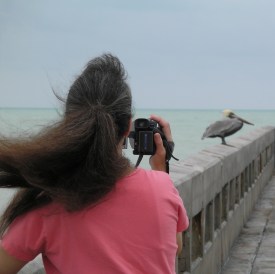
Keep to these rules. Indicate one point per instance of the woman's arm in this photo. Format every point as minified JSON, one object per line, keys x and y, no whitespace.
{"x":179,"y":242}
{"x":157,"y":161}
{"x":9,"y":264}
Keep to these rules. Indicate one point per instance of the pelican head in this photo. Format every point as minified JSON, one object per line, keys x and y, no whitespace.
{"x":230,"y":114}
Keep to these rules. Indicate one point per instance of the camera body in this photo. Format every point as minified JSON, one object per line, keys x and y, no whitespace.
{"x":142,"y":136}
{"x":141,"y":139}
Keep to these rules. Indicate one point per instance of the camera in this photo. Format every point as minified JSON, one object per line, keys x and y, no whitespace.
{"x":142,"y":136}
{"x":141,"y":139}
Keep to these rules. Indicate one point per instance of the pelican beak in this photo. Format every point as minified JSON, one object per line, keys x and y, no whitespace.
{"x":233,"y":115}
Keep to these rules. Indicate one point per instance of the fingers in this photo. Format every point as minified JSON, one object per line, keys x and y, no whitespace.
{"x":157,"y":161}
{"x":160,"y":150}
{"x":165,"y":126}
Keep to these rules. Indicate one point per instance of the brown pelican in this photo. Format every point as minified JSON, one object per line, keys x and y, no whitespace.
{"x":226,"y":127}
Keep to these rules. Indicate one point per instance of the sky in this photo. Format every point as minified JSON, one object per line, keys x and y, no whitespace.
{"x":179,"y":54}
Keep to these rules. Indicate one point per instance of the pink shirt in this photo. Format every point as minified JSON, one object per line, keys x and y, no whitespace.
{"x":133,"y":230}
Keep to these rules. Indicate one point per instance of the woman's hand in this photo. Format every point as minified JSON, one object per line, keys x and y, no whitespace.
{"x":157,"y":161}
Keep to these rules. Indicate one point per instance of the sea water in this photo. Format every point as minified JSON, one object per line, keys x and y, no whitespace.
{"x":187,"y":128}
{"x":187,"y":125}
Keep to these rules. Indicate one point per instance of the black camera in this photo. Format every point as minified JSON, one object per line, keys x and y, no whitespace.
{"x":142,"y":136}
{"x":141,"y":139}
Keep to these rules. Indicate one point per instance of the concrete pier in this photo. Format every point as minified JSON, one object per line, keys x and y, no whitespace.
{"x":254,"y":250}
{"x":220,"y":187}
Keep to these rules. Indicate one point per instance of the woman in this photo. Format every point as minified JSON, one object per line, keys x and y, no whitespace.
{"x":81,"y":203}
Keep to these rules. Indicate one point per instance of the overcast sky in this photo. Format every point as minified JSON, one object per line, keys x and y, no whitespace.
{"x":185,"y":54}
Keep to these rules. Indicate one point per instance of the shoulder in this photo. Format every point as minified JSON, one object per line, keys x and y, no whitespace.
{"x":149,"y":175}
{"x":33,"y":221}
{"x":152,"y":179}
{"x":26,"y":235}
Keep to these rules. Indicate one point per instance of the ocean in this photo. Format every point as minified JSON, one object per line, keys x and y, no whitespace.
{"x":187,"y":128}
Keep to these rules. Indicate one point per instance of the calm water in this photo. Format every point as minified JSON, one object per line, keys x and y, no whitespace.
{"x":187,"y":127}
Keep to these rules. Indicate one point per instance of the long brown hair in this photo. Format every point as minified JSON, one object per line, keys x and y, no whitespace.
{"x":75,"y":161}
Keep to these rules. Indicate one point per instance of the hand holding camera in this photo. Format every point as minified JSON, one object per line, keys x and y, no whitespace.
{"x":164,"y":146}
{"x":153,"y":137}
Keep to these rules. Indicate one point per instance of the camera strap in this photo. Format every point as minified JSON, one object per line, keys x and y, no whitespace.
{"x":140,"y":156}
{"x":167,"y":166}
{"x":169,"y":146}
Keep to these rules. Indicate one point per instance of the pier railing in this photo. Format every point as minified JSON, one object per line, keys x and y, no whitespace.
{"x":219,"y":187}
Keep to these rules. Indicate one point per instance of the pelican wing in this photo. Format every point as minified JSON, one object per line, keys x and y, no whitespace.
{"x":222,"y":128}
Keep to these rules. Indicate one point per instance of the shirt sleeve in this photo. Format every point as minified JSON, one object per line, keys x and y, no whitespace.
{"x":24,"y":238}
{"x":183,"y":221}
